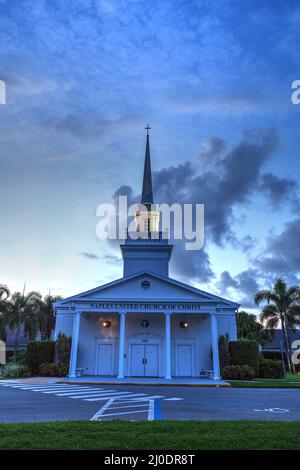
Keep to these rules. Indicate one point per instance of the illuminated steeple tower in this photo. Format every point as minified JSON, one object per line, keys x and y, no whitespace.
{"x":147,"y":217}
{"x":147,"y":250}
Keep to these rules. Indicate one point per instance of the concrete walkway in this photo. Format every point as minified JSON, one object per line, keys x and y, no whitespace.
{"x":96,"y":380}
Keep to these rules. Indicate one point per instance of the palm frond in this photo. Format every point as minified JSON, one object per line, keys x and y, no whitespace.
{"x":262,"y":295}
{"x":280,"y":287}
{"x":272,"y":323}
{"x":4,"y":292}
{"x":269,"y":311}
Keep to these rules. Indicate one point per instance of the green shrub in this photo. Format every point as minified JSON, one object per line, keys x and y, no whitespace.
{"x":63,"y":370}
{"x":244,"y":352}
{"x":21,"y":357}
{"x":237,"y":372}
{"x":53,"y":370}
{"x":13,"y":369}
{"x":63,"y":349}
{"x":44,"y":369}
{"x":275,"y":355}
{"x":269,"y":369}
{"x":39,"y":352}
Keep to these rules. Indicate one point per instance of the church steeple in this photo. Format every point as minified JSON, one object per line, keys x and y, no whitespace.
{"x":145,"y":249}
{"x":147,"y":217}
{"x":147,"y":192}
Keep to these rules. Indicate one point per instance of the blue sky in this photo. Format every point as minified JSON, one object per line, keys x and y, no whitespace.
{"x":213,"y":78}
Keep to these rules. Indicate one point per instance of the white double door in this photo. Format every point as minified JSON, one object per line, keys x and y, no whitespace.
{"x":145,"y":360}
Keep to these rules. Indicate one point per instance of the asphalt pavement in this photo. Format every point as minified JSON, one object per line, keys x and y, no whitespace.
{"x":32,"y":402}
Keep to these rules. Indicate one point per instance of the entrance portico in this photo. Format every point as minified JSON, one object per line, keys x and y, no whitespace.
{"x":145,"y":340}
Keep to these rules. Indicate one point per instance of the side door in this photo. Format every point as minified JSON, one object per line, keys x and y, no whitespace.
{"x":184,"y":357}
{"x":105,"y":353}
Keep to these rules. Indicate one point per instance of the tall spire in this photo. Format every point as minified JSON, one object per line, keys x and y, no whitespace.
{"x":147,"y":193}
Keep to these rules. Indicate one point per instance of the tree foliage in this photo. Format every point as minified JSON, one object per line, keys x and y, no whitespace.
{"x":28,"y":313}
{"x":249,"y":328}
{"x":283,"y":310}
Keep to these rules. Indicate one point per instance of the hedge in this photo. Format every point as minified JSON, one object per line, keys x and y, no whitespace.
{"x":244,"y":352}
{"x":244,"y":372}
{"x":269,"y":369}
{"x":39,"y":352}
{"x":275,"y":355}
{"x":53,"y":370}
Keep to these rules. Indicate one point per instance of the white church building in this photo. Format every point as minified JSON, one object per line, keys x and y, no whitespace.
{"x":146,"y":324}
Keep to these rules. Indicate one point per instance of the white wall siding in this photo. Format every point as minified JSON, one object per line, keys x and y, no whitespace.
{"x":227,"y":324}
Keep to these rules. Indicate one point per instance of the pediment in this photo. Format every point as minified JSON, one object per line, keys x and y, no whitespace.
{"x":147,"y":286}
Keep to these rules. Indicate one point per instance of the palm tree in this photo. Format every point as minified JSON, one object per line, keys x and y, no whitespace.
{"x":46,"y":315}
{"x":249,"y":328}
{"x":283,"y":309}
{"x":4,"y":295}
{"x":22,"y":311}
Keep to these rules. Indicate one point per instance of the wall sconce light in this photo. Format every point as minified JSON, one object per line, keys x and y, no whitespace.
{"x":144,"y":323}
{"x":106,"y":323}
{"x":184,"y":325}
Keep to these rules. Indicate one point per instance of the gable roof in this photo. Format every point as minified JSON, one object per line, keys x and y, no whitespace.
{"x":204,"y":296}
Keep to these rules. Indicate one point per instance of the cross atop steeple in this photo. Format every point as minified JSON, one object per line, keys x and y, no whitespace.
{"x":147,"y":128}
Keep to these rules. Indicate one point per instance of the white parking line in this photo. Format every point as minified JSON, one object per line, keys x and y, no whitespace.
{"x":99,"y":394}
{"x":44,"y":387}
{"x":49,"y":390}
{"x":153,"y":397}
{"x":70,"y":391}
{"x":109,"y":396}
{"x":78,"y":392}
{"x":172,"y":399}
{"x":111,"y":407}
{"x":124,"y":413}
{"x":104,"y":407}
{"x":151,"y":410}
{"x":127,"y":406}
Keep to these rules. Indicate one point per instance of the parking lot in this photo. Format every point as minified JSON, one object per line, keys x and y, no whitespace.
{"x":22,"y":401}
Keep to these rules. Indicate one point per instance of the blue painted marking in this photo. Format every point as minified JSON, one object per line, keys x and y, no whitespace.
{"x":157,"y":410}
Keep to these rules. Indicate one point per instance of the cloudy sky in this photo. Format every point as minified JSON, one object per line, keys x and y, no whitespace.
{"x":213,"y":78}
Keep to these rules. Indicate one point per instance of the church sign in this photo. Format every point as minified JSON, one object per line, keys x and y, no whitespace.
{"x":145,"y":306}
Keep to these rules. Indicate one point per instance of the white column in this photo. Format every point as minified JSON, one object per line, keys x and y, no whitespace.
{"x":74,"y":347}
{"x":122,"y":344}
{"x":215,"y":346}
{"x":168,"y":344}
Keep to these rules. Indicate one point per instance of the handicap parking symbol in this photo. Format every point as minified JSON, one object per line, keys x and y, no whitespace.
{"x":273,"y":410}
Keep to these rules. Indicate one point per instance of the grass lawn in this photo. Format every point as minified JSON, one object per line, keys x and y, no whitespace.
{"x":126,"y":435}
{"x":289,"y":381}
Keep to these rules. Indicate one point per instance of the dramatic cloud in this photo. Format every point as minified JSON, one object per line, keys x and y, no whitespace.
{"x":281,"y":256}
{"x":279,"y":190}
{"x":230,"y":184}
{"x":213,"y":148}
{"x":245,"y":282}
{"x":227,"y":185}
{"x":226,"y":281}
{"x":245,"y":285}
